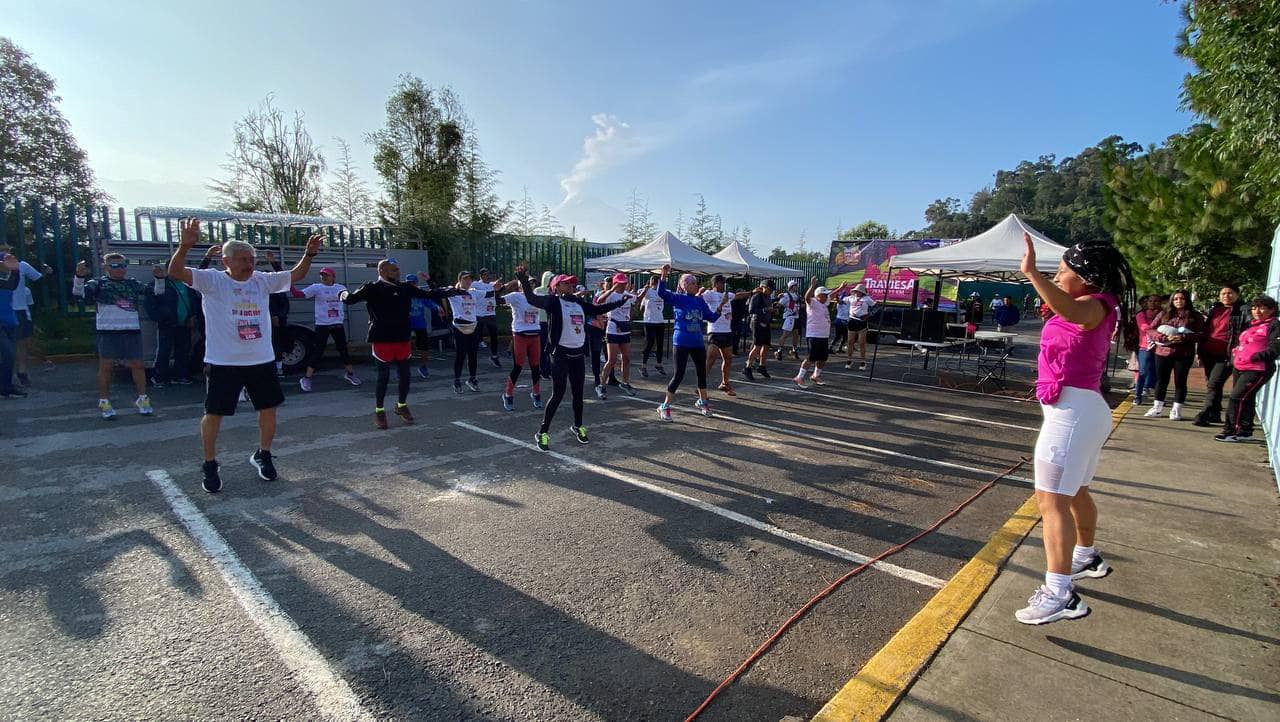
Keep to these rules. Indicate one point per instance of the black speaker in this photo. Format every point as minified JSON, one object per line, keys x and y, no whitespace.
{"x":933,"y":327}
{"x":912,"y":319}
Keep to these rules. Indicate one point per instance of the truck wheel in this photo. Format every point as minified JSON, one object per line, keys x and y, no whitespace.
{"x":301,"y":339}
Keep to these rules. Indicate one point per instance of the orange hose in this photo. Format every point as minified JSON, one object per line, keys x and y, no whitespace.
{"x":768,"y":643}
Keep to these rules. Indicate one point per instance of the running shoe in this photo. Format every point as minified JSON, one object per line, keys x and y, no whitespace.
{"x":1095,"y":568}
{"x":261,"y":460}
{"x":627,"y":389}
{"x":579,"y":433}
{"x":644,"y":371}
{"x":703,"y":407}
{"x":380,"y":419}
{"x":24,"y":379}
{"x":352,"y":379}
{"x":1043,"y":607}
{"x":402,"y":410}
{"x":471,"y":384}
{"x":143,"y":404}
{"x":600,"y":392}
{"x":660,"y":370}
{"x":763,"y":372}
{"x":795,"y":353}
{"x":1230,"y":438}
{"x":305,"y":383}
{"x":778,"y":354}
{"x":457,"y":387}
{"x":537,"y":400}
{"x":423,"y":372}
{"x":848,"y":365}
{"x":1153,"y":412}
{"x":496,"y":364}
{"x":862,"y":366}
{"x":105,"y":407}
{"x":664,"y":412}
{"x":613,"y":381}
{"x":748,"y":373}
{"x":543,"y":440}
{"x":1175,"y":413}
{"x":212,"y":481}
{"x":728,"y":390}
{"x":508,"y":402}
{"x":817,"y":380}
{"x":800,"y":381}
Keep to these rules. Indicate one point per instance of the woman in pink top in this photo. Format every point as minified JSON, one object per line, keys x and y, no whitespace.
{"x":1093,"y":287}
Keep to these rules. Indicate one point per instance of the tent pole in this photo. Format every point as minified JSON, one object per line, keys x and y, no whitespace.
{"x":875,"y":349}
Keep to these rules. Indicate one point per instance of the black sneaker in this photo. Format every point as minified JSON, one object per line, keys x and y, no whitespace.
{"x":457,"y":387}
{"x":261,"y":460}
{"x":1231,"y":438}
{"x":212,"y":482}
{"x":747,"y":372}
{"x":764,"y":372}
{"x":496,"y":363}
{"x":644,"y":371}
{"x":471,"y":384}
{"x":579,"y":433}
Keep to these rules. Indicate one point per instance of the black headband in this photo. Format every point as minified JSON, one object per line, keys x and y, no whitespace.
{"x":1094,"y":263}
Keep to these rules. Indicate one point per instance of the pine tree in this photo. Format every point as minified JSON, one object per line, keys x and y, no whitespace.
{"x":745,"y":238}
{"x":524,"y":216}
{"x":347,"y":195}
{"x":679,"y":223}
{"x":548,"y":224}
{"x":633,"y":230}
{"x":479,"y":212}
{"x":705,"y":230}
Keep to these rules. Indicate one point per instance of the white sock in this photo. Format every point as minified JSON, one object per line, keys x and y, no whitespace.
{"x":803,"y":371}
{"x":1082,"y":555}
{"x":1058,"y":584}
{"x":817,"y":373}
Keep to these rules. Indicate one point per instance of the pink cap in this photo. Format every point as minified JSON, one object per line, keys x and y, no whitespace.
{"x":620,"y":278}
{"x":564,"y":278}
{"x":327,"y":270}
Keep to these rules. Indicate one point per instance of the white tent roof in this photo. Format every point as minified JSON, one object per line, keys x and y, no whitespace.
{"x":994,"y":253}
{"x":666,"y":248}
{"x":755,"y":266}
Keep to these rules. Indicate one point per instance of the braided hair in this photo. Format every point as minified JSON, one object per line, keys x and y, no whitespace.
{"x":1101,"y":265}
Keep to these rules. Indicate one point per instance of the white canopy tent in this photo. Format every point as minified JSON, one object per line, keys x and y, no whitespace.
{"x":754,"y":265}
{"x":995,"y":254}
{"x":665,"y":249}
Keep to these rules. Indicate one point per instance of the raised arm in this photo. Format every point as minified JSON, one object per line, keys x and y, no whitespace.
{"x":542,"y":302}
{"x":434,"y":294}
{"x":356,"y":296}
{"x":593,"y":309}
{"x":813,"y":286}
{"x":1086,"y":311}
{"x":190,"y":235}
{"x":299,"y":271}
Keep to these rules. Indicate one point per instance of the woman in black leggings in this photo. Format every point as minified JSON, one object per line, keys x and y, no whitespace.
{"x":655,"y":326}
{"x":1175,"y":352}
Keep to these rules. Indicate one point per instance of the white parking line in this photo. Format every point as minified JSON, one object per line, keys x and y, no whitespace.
{"x":897,"y":571}
{"x":848,"y":444}
{"x":332,"y":695}
{"x":931,"y":387}
{"x":908,"y":409}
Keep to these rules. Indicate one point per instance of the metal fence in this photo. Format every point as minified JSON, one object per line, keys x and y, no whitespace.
{"x":502,"y":253}
{"x":1269,"y":396}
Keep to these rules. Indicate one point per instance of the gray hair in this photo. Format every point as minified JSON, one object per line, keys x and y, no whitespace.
{"x":231,"y":248}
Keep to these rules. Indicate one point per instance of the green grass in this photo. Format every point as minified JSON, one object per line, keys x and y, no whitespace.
{"x":58,"y":334}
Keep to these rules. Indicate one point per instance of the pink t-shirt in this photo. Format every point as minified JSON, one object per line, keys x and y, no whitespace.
{"x":1071,"y":356}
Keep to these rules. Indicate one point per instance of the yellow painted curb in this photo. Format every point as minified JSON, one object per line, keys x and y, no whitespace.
{"x":886,"y":676}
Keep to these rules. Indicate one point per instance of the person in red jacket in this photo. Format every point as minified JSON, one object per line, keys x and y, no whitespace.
{"x":1254,"y":361}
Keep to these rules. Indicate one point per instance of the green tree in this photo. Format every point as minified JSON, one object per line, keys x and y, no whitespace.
{"x":1235,"y":47}
{"x":479,"y":213}
{"x":39,"y":156}
{"x":705,"y":229}
{"x":347,"y":195}
{"x":639,"y":227}
{"x":523,"y":220}
{"x":866,"y":229}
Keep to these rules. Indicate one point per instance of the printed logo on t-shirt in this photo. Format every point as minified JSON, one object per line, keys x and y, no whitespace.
{"x":530,"y":317}
{"x":575,"y":320}
{"x":248,"y":319}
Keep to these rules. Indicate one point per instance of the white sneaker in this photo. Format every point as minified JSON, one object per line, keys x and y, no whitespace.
{"x":1095,"y":568}
{"x":1043,"y":607}
{"x":105,"y":407}
{"x":1157,"y":409}
{"x":144,"y":405}
{"x":1175,"y":413}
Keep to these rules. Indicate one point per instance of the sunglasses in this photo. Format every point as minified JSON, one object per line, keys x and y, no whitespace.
{"x":118,"y":265}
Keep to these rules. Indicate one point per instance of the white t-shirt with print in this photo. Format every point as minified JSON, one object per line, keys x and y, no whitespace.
{"x":574,"y":332}
{"x":237,"y":324}
{"x":524,"y":317}
{"x":651,"y":304}
{"x":790,"y":305}
{"x":487,"y":306}
{"x":860,"y":306}
{"x":621,"y":313}
{"x":330,"y":310}
{"x":464,"y":306}
{"x":817,"y":322}
{"x":724,"y":324}
{"x":842,"y":308}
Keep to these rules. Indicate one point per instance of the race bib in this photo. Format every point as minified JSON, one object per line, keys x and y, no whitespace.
{"x":333,"y":312}
{"x":248,"y":330}
{"x":248,"y":319}
{"x":124,"y":304}
{"x":575,"y":320}
{"x":530,"y":317}
{"x":788,"y":323}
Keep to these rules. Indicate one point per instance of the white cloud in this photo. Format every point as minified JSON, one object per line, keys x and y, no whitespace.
{"x":612,"y":142}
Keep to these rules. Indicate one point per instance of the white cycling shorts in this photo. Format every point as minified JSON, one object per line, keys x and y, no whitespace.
{"x":1071,"y":438}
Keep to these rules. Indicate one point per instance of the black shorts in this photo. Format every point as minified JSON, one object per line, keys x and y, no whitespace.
{"x":722,"y":340}
{"x":857,"y":325}
{"x":421,"y":339}
{"x":223,"y":384}
{"x":819,"y":349}
{"x":761,"y":331}
{"x":618,"y":338}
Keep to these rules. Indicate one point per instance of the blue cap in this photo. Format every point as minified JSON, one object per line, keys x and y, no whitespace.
{"x":411,"y":278}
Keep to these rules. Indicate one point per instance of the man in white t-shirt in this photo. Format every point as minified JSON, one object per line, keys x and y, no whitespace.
{"x":790,"y":301}
{"x":487,"y":314}
{"x":237,"y":327}
{"x":331,"y":317}
{"x":720,"y":332}
{"x":655,"y":326}
{"x":817,"y":330}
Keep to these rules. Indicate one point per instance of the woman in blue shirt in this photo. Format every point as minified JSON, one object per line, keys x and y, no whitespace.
{"x":690,"y":311}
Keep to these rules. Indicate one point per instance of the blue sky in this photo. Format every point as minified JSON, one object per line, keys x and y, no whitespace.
{"x":787,"y":117}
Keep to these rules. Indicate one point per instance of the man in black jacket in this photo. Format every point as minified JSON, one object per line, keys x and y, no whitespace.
{"x":174,"y":314}
{"x":567,"y":316}
{"x":389,"y":301}
{"x":1223,"y":324}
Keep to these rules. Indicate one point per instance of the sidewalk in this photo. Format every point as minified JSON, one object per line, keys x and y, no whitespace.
{"x":1187,"y":627}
